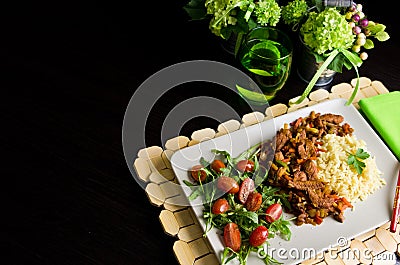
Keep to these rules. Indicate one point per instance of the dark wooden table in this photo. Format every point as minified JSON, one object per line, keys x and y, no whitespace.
{"x":69,"y":71}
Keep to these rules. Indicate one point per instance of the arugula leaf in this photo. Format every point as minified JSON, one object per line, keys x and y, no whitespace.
{"x":226,"y":171}
{"x":252,"y":216}
{"x":196,"y":190}
{"x":281,"y":227}
{"x":237,"y":213}
{"x":354,"y":160}
{"x":225,"y":255}
{"x":204,"y":162}
{"x":248,"y":153}
{"x":226,"y":155}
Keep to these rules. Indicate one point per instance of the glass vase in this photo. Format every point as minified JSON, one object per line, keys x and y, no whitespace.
{"x":307,"y":66}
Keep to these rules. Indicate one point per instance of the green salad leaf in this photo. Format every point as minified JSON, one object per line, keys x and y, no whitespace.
{"x":238,"y":212}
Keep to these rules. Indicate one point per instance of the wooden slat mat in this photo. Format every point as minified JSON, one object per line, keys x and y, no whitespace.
{"x":152,"y":166}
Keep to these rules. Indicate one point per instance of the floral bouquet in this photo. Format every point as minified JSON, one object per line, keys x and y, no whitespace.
{"x":339,"y":37}
{"x":235,"y":17}
{"x":336,"y":36}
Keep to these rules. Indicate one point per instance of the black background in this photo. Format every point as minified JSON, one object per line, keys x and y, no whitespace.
{"x":68,"y":72}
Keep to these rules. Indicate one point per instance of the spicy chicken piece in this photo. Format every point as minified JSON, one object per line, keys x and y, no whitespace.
{"x":299,"y":176}
{"x":279,"y":156}
{"x":306,"y":185}
{"x":311,"y":169}
{"x":282,"y":137}
{"x":332,"y":118}
{"x":307,"y":149}
{"x":319,"y":199}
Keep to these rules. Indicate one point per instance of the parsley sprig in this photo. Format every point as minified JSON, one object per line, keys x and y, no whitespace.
{"x":355,"y":160}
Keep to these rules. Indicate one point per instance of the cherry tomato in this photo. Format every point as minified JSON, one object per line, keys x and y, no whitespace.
{"x":274,"y":211}
{"x":198,"y":174}
{"x":245,"y":166}
{"x":253,"y":202}
{"x":232,"y":237}
{"x":246,"y":187}
{"x":220,"y":206}
{"x":258,"y":236}
{"x":216,"y":165}
{"x":227,"y":184}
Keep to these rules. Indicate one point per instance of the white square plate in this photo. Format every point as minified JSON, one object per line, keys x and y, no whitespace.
{"x":306,"y":239}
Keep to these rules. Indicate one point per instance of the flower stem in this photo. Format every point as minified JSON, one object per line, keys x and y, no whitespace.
{"x":316,"y":76}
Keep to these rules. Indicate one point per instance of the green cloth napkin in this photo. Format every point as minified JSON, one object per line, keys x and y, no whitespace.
{"x":383,"y":112}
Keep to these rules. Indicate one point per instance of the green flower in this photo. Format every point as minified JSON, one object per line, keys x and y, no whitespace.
{"x":294,"y":12}
{"x":267,"y":12}
{"x":223,"y":13}
{"x":326,"y":31}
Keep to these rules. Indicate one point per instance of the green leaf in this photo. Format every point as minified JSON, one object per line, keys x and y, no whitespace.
{"x":319,"y":58}
{"x":352,"y":57}
{"x":241,"y":23}
{"x":196,"y":9}
{"x":225,"y":171}
{"x":382,"y":36}
{"x":354,"y":160}
{"x":196,"y":3}
{"x":252,"y":23}
{"x":252,"y":216}
{"x":196,"y":190}
{"x":281,"y":226}
{"x":226,"y":13}
{"x":188,"y":183}
{"x":225,"y":154}
{"x":260,"y":72}
{"x":252,"y":95}
{"x":369,"y":44}
{"x":377,"y":28}
{"x":204,"y":162}
{"x":337,"y":63}
{"x":195,"y":13}
{"x":238,"y":43}
{"x":241,"y":26}
{"x":319,"y":5}
{"x":248,"y":153}
{"x":195,"y":193}
{"x":361,"y":154}
{"x":351,"y":160}
{"x":225,"y":258}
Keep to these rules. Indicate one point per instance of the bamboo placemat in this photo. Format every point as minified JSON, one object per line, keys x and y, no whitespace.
{"x":152,"y":166}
